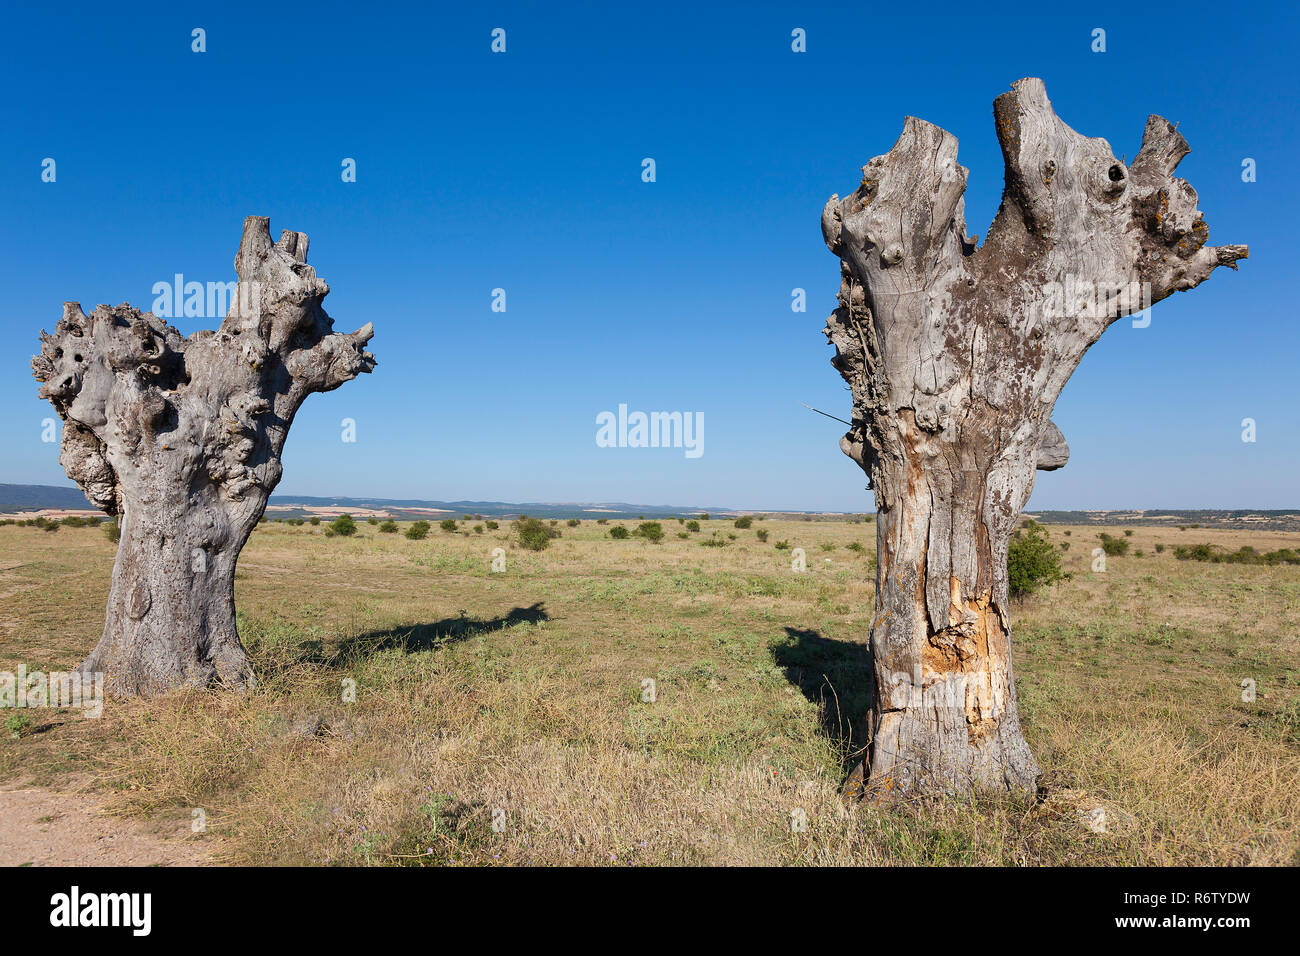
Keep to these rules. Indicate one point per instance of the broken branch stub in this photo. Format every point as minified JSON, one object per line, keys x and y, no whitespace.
{"x":181,"y":438}
{"x":955,"y":354}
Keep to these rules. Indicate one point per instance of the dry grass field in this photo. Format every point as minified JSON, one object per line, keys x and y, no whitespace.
{"x":499,"y":719}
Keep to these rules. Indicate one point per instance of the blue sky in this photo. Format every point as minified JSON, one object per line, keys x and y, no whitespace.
{"x":522,"y":171}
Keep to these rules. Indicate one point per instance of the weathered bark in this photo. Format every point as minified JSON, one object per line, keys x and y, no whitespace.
{"x":182,"y":438}
{"x":955,"y":354}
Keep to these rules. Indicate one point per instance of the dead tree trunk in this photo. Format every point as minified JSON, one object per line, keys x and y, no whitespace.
{"x":955,"y":354}
{"x":182,"y":438}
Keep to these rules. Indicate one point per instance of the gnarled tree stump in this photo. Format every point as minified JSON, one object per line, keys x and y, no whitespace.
{"x":955,"y":354}
{"x":181,"y":437}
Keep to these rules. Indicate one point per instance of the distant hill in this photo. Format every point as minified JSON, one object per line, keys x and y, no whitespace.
{"x":1241,"y":518}
{"x":36,"y":497}
{"x":413,"y":507}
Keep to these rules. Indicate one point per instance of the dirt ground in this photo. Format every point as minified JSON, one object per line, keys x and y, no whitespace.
{"x":40,"y":827}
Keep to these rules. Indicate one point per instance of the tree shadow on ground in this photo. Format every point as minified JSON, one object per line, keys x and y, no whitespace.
{"x":418,"y":638}
{"x":837,"y":677}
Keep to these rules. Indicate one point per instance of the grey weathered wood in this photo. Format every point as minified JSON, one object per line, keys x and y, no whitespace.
{"x":181,"y":437}
{"x":955,"y":354}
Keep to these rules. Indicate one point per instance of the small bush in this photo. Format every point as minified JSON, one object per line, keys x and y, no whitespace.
{"x":602,"y":521}
{"x":1113,"y":546}
{"x":343,"y":525}
{"x":683,"y":534}
{"x":782,"y":546}
{"x":761,"y":534}
{"x":1160,"y":549}
{"x":652,"y":531}
{"x":573,"y":522}
{"x":744,"y":522}
{"x":478,"y":529}
{"x":618,"y":531}
{"x":1128,"y":532}
{"x":418,"y":530}
{"x":17,"y":722}
{"x":372,"y":521}
{"x":447,"y":524}
{"x":856,"y":547}
{"x":113,"y":531}
{"x":491,"y":525}
{"x":1032,"y":562}
{"x":692,"y":526}
{"x":315,"y":520}
{"x":388,"y":527}
{"x":535,"y":535}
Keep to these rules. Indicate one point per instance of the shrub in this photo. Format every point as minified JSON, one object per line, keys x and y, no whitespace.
{"x":17,"y":722}
{"x":447,"y":524}
{"x":372,"y":521}
{"x":827,"y":546}
{"x":535,"y":535}
{"x":1032,"y":562}
{"x":418,"y":530}
{"x":113,"y":531}
{"x":573,"y":522}
{"x":683,"y":534}
{"x":491,"y":525}
{"x":762,"y":535}
{"x":1243,"y":555}
{"x":466,"y":518}
{"x":388,"y":527}
{"x":1113,"y":546}
{"x":782,"y":546}
{"x":744,"y":522}
{"x":692,"y":526}
{"x":1128,"y":532}
{"x":602,"y":521}
{"x":1160,"y":549}
{"x":713,"y":543}
{"x":478,"y":529}
{"x":618,"y":531}
{"x":705,"y":516}
{"x":652,"y":531}
{"x":343,"y":525}
{"x":315,"y":521}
